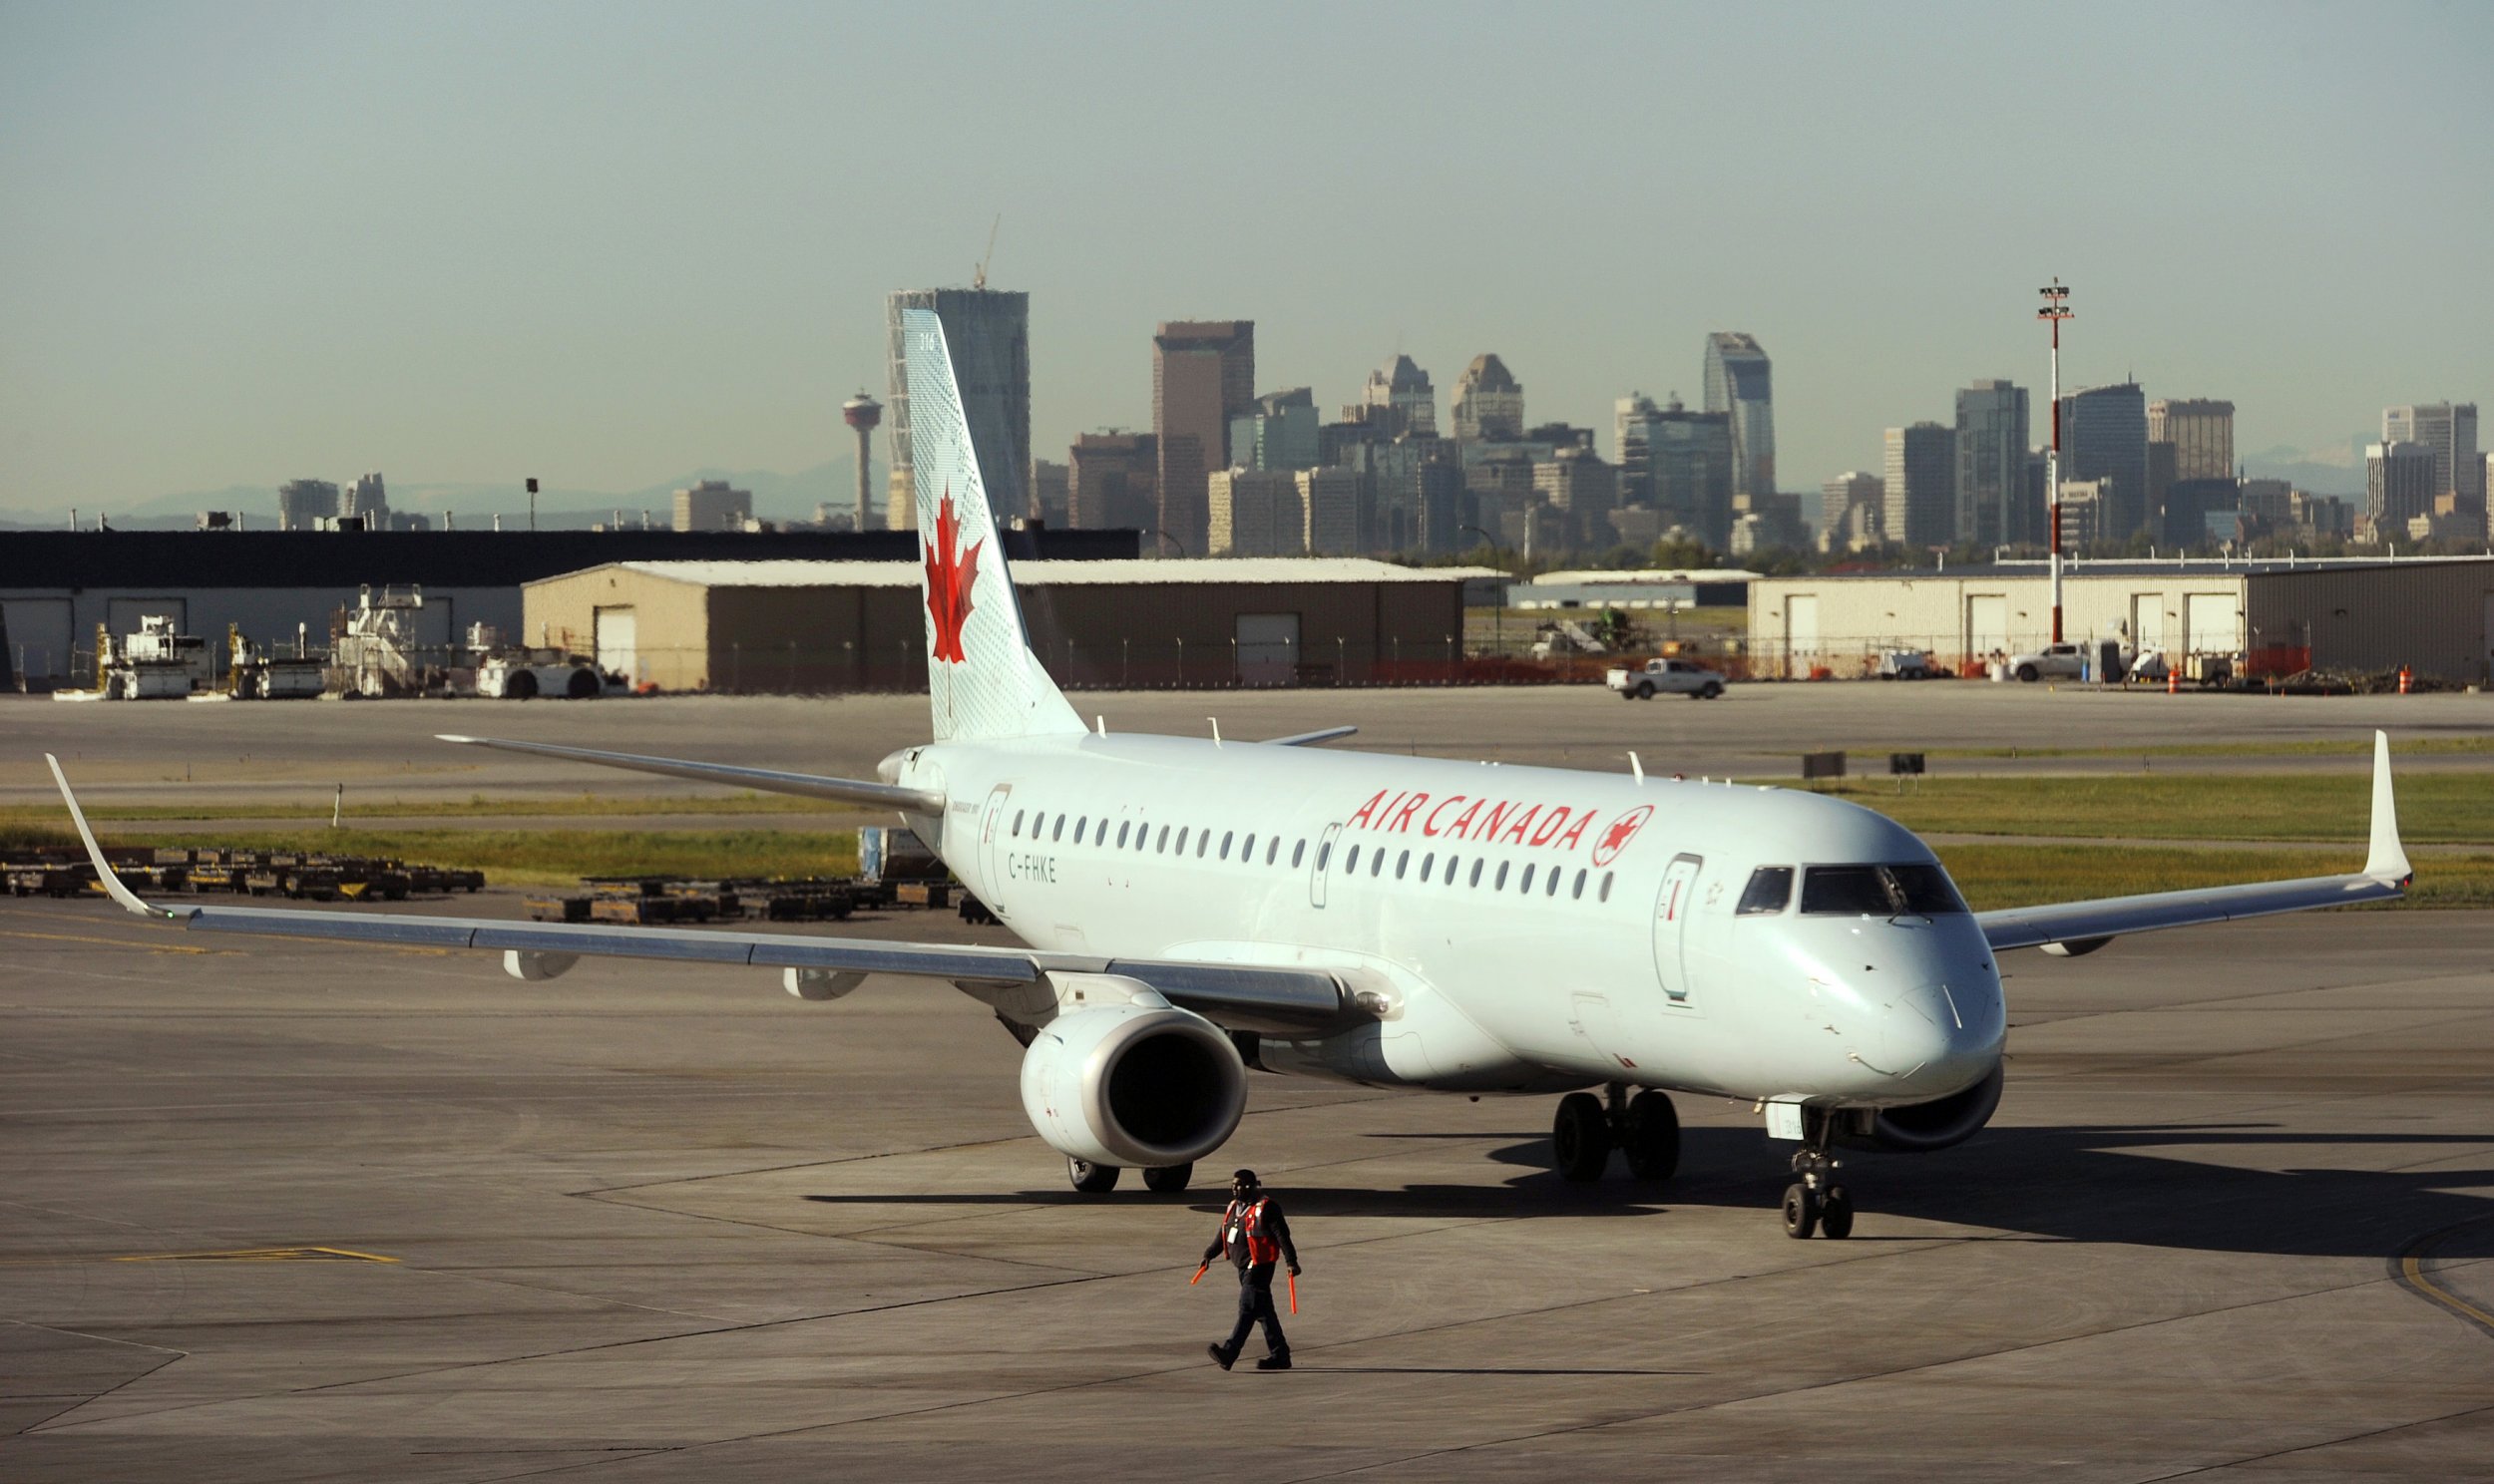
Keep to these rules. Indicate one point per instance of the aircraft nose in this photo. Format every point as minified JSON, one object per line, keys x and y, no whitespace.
{"x":1941,"y":1035}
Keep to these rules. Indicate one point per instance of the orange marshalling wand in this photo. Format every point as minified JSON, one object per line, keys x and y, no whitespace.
{"x":1199,"y":1275}
{"x":1294,"y":1292}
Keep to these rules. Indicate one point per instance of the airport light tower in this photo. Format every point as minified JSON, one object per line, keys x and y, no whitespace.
{"x":2056,"y":309}
{"x":863,"y":413}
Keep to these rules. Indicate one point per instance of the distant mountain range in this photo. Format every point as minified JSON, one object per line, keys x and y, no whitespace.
{"x":2315,"y":471}
{"x":776,"y":495}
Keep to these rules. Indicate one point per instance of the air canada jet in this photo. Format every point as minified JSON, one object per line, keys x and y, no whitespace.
{"x":1195,"y":910}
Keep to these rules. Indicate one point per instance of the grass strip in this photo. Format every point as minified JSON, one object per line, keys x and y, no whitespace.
{"x":2435,"y":808}
{"x":2352,"y":747}
{"x":477,"y":806}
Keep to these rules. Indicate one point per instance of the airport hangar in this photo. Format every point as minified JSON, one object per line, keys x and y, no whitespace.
{"x":825,"y":626}
{"x":56,"y":586}
{"x":2432,"y":614}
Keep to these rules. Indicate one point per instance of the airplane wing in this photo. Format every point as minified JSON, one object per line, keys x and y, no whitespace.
{"x":1247,"y":997}
{"x":2070,"y":928}
{"x":769,"y":781}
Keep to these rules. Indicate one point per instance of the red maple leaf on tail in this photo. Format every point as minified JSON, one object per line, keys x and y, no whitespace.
{"x":950,"y":573}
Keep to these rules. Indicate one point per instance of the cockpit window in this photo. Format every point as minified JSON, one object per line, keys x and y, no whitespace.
{"x":1878,"y":892}
{"x":1770,"y":891}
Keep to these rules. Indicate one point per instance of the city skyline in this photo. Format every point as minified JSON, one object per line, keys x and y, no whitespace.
{"x":254,"y":240}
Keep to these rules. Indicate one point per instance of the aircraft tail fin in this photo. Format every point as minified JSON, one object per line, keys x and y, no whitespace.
{"x":982,"y":678}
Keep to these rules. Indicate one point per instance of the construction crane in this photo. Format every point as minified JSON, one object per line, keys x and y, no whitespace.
{"x":979,"y":279}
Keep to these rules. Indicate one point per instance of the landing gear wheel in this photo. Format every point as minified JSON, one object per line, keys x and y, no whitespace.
{"x":1091,"y":1179}
{"x":1169,"y":1179}
{"x":1836,"y":1216}
{"x":1651,"y":1136}
{"x":1801,"y":1211}
{"x":1580,"y":1138}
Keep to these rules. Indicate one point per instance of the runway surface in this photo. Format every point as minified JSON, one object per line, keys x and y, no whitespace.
{"x":282,"y":1211}
{"x":309,"y":1211}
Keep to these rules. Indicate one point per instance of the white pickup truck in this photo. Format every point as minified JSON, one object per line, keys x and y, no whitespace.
{"x":1683,"y":676}
{"x":2053,"y":662}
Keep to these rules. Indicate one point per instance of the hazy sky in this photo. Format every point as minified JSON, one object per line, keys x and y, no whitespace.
{"x":607,"y":243}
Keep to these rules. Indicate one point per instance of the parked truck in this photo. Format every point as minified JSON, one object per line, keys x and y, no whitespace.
{"x":1666,"y":676}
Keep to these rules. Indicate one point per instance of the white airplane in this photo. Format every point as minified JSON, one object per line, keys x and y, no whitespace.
{"x":1194,"y":909}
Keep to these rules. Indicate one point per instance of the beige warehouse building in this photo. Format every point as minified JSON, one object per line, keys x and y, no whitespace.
{"x":830,"y":626}
{"x":2433,"y":615}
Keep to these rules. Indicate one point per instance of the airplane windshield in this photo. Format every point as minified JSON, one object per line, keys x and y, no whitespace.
{"x":1879,"y":891}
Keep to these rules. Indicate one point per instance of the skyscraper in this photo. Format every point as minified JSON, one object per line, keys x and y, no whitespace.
{"x":303,"y":503}
{"x":2202,"y":432}
{"x":2450,"y":431}
{"x":2399,"y":485}
{"x":713,"y":505}
{"x":1632,"y":421}
{"x":1256,"y":513}
{"x":1839,"y":497}
{"x":1278,"y":432}
{"x":1921,"y":486}
{"x":1688,"y":459}
{"x":1489,"y":403}
{"x":1203,"y":375}
{"x":1112,"y":483}
{"x":988,"y":332}
{"x":1398,"y":396}
{"x":1991,"y":506}
{"x":2104,"y":436}
{"x":1738,"y":381}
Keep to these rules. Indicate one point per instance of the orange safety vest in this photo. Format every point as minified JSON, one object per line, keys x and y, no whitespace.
{"x":1243,"y":1224}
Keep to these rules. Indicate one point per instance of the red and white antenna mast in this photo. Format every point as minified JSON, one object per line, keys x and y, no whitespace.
{"x":2056,"y":309}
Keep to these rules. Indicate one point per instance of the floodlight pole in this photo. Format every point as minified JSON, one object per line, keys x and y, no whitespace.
{"x":2056,"y":309}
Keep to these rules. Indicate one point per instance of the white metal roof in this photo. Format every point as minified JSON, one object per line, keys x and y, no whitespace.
{"x":1137,"y":572}
{"x":1645,"y":575}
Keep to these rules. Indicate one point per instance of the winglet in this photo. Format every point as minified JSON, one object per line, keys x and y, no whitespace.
{"x":103,"y":871}
{"x":2388,"y":860}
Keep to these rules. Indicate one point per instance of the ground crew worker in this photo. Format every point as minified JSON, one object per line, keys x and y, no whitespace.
{"x":1254,"y":1236}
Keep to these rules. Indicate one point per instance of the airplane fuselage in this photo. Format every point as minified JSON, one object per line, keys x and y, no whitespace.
{"x":1530,"y":927}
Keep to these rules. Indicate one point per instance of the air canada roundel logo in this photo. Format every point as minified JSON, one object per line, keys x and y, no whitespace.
{"x":950,"y":571}
{"x":1617,"y":834}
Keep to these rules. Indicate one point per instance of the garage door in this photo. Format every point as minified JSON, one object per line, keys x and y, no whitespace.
{"x":1987,"y":625}
{"x":1801,"y":633}
{"x":39,"y":641}
{"x":618,"y":642}
{"x":2212,"y":622}
{"x":2147,"y":622}
{"x":1268,"y":649}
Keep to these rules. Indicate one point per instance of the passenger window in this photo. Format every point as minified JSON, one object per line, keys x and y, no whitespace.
{"x":1247,"y":848}
{"x":1301,"y":849}
{"x":1552,"y":889}
{"x":1351,"y":859}
{"x":1164,"y":839}
{"x":1428,"y":864}
{"x":1273,"y":851}
{"x":1078,"y":828}
{"x":1227,"y":837}
{"x":1122,"y":833}
{"x":1499,"y":885}
{"x":1769,"y":888}
{"x":1606,"y":887}
{"x":1376,"y":863}
{"x":1060,"y":829}
{"x":1017,"y":813}
{"x":1402,"y":861}
{"x":1203,"y":842}
{"x":1526,"y":887}
{"x":1452,"y":862}
{"x":1577,"y":891}
{"x":1182,"y":842}
{"x":1322,"y":851}
{"x":1476,"y":881}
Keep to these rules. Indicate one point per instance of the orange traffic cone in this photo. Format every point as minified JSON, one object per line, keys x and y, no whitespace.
{"x":2172,"y":682}
{"x":2406,"y":678}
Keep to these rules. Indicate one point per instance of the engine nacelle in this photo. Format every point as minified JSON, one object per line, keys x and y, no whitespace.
{"x":1142,"y":1083}
{"x":1919,"y":1128}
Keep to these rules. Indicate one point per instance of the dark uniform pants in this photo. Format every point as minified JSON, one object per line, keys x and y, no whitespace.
{"x":1255,"y":1306}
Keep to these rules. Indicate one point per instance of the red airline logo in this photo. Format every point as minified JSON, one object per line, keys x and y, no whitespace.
{"x":1497,"y":822}
{"x":1620,"y":830}
{"x":950,"y":573}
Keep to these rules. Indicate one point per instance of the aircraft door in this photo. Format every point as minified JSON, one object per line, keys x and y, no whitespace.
{"x":1318,"y":862}
{"x":1671,"y":914}
{"x":992,"y":848}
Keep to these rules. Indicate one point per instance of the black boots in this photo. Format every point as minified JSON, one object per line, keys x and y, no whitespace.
{"x":1278,"y":1361}
{"x":1221,"y":1358}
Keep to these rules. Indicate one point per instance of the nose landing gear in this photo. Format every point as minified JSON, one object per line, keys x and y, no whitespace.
{"x":1813,"y":1201}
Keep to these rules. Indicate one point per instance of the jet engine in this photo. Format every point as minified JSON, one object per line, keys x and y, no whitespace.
{"x":1141,"y":1083}
{"x":1919,"y":1128}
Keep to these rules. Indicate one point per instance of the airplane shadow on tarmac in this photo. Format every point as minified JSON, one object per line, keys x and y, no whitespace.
{"x":2149,"y":1185}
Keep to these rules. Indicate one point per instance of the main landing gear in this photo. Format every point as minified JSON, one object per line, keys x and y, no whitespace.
{"x":1645,"y":1128}
{"x":1099,"y":1180}
{"x":1813,"y":1199}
